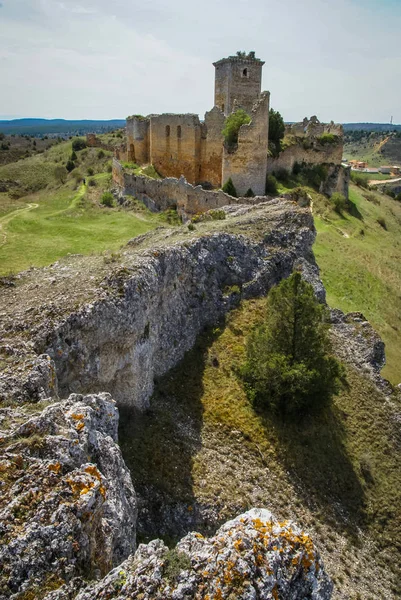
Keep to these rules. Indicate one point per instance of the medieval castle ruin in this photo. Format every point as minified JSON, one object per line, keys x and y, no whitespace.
{"x":183,"y":146}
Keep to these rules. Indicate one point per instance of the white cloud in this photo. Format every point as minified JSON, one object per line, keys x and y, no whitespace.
{"x":102,"y":59}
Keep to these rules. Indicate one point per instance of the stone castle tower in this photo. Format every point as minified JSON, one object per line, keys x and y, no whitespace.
{"x":239,"y":79}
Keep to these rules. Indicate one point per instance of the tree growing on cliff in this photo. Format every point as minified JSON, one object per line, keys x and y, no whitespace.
{"x":232,"y":126}
{"x":289,"y":367}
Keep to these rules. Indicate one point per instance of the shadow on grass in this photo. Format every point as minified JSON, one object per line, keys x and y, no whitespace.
{"x":315,"y":458}
{"x":354,"y":210}
{"x":158,"y":447}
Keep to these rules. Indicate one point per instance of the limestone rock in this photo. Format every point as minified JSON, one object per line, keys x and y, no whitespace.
{"x":67,"y":503}
{"x":252,"y":556}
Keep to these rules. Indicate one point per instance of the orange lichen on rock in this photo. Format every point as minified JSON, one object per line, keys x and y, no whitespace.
{"x":55,"y":467}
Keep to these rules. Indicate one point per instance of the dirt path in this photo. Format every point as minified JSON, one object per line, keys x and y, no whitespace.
{"x":10,"y":216}
{"x":383,"y":181}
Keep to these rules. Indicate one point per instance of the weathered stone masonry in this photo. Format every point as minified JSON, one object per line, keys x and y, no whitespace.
{"x":182,"y":145}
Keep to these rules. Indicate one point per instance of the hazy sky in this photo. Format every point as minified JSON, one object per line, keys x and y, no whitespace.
{"x":101,"y":59}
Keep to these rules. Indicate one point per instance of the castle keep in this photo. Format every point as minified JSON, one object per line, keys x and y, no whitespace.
{"x":181,"y":145}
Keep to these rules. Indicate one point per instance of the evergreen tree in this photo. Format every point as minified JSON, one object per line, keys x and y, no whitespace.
{"x":289,"y":366}
{"x":229,"y":188}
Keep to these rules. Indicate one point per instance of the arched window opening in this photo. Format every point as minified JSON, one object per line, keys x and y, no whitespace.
{"x":167,"y":130}
{"x":178,"y":131}
{"x":245,"y":73}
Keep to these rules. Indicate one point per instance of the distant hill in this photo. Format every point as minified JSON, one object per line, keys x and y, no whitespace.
{"x":58,"y":126}
{"x":371,"y":127}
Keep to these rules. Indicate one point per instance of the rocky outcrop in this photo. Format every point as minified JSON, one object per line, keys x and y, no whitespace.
{"x":360,"y":345}
{"x":67,"y":504}
{"x":146,"y":310}
{"x":252,"y":556}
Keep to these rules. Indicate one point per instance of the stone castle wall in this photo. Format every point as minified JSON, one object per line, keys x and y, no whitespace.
{"x":247,"y":164}
{"x":316,"y":155}
{"x":179,"y":145}
{"x":175,"y":142}
{"x":211,"y":158}
{"x":161,"y":194}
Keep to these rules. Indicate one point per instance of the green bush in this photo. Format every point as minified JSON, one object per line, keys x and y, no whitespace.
{"x":359,"y":180}
{"x":70,"y":166}
{"x":107,"y":199}
{"x":249,"y":193}
{"x":78,"y":144}
{"x":101,"y":154}
{"x":282,"y":175}
{"x":90,"y":171}
{"x":60,"y":174}
{"x":229,"y":188}
{"x":232,"y":126}
{"x":271,"y":185}
{"x":276,"y":128}
{"x":73,"y":156}
{"x":296,"y":169}
{"x":398,"y":197}
{"x":92,"y":182}
{"x":315,"y":175}
{"x":217,"y":215}
{"x":327,"y":139}
{"x":340,"y":202}
{"x":289,"y":367}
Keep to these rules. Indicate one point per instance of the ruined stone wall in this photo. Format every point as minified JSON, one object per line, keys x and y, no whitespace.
{"x":237,"y":78}
{"x":247,"y":164}
{"x":313,"y":128}
{"x":160,"y":194}
{"x":175,"y":145}
{"x":138,"y":140}
{"x":316,"y":155}
{"x":211,"y":159}
{"x":94,"y":142}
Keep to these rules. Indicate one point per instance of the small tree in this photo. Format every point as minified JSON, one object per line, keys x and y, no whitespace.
{"x":107,"y":199}
{"x":232,"y":126}
{"x":289,"y":367}
{"x":271,"y":185}
{"x":70,"y":166}
{"x":78,"y":144}
{"x":276,"y":130}
{"x":73,"y":156}
{"x":60,"y":174}
{"x":340,"y":202}
{"x":229,"y":188}
{"x":249,"y":193}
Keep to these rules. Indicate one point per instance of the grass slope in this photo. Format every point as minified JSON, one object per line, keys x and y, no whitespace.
{"x":360,"y":264}
{"x":337,"y":474}
{"x":50,"y":220}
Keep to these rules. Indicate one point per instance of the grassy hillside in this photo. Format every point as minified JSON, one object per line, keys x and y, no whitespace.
{"x":201,"y":454}
{"x":374,"y":148}
{"x":42,"y":220}
{"x":360,"y":261}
